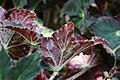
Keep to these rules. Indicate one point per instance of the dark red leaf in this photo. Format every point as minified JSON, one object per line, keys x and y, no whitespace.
{"x":29,"y":35}
{"x":22,"y":16}
{"x":2,"y":14}
{"x":16,"y":39}
{"x":63,"y":46}
{"x":18,"y":47}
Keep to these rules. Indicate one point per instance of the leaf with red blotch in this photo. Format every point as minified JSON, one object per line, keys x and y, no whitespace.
{"x":21,"y":16}
{"x":59,"y":49}
{"x":29,"y":35}
{"x":40,"y":76}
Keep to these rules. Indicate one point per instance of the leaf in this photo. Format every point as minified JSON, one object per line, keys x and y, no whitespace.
{"x":30,"y":36}
{"x":74,"y":8}
{"x":84,"y":22}
{"x":2,"y":14}
{"x":15,"y":42}
{"x":108,"y":28}
{"x":18,"y":47}
{"x":19,"y":3}
{"x":21,"y":16}
{"x":25,"y":69}
{"x":5,"y":63}
{"x":82,"y":61}
{"x":59,"y":49}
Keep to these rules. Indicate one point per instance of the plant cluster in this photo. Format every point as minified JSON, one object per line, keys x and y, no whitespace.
{"x":85,"y":48}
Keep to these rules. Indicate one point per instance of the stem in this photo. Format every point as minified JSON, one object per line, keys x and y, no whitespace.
{"x":53,"y":75}
{"x":116,"y":48}
{"x":78,"y":74}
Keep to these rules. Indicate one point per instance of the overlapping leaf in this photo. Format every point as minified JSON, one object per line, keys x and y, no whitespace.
{"x":58,"y":50}
{"x":25,"y":69}
{"x":108,"y":28}
{"x":83,"y":61}
{"x":2,"y":14}
{"x":21,"y":16}
{"x":30,"y":36}
{"x":17,"y":31}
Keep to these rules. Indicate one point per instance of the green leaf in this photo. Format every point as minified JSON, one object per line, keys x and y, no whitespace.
{"x":83,"y":23}
{"x":109,"y":29}
{"x":74,"y":8}
{"x":5,"y":63}
{"x":25,"y":69}
{"x":19,"y":3}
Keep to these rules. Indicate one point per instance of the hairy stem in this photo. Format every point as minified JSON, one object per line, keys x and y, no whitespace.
{"x":53,"y":75}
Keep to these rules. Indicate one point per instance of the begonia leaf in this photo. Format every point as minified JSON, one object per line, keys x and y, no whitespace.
{"x":59,"y":49}
{"x":22,"y":16}
{"x":29,"y":35}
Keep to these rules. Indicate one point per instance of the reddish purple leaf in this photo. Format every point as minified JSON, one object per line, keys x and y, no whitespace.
{"x":22,"y":16}
{"x":2,"y":14}
{"x":29,"y":35}
{"x":14,"y":39}
{"x":18,"y":47}
{"x":63,"y":46}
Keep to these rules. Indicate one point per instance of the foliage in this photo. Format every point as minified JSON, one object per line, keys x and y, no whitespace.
{"x":86,"y":47}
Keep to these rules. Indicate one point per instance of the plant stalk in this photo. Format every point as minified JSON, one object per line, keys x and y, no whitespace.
{"x":53,"y":75}
{"x":78,"y":74}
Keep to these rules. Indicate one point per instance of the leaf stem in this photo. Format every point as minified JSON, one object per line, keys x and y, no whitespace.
{"x":53,"y":75}
{"x":78,"y":74}
{"x":116,"y":48}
